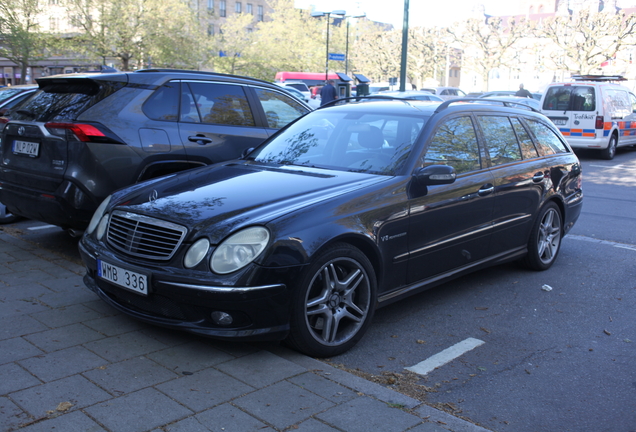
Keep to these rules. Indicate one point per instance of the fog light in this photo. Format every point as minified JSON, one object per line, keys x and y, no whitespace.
{"x":222,"y":318}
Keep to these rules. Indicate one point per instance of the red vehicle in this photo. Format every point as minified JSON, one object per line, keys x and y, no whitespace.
{"x":309,"y":78}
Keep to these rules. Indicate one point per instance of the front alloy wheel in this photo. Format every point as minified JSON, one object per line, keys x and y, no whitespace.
{"x":334,"y":305}
{"x":545,"y":239}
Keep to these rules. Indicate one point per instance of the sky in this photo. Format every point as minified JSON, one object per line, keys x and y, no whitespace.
{"x":421,"y":12}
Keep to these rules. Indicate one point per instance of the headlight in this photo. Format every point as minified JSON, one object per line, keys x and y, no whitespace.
{"x":239,"y":250}
{"x":196,"y":253}
{"x":101,"y":228}
{"x":97,"y":216}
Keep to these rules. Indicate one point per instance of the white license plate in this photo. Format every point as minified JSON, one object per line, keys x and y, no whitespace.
{"x":26,"y":148}
{"x":560,"y":122}
{"x":124,"y":278}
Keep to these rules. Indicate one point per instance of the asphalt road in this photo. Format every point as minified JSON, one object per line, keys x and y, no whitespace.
{"x":553,"y":359}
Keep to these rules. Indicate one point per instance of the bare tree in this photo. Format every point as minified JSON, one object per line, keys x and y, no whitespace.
{"x":489,"y":43}
{"x":586,"y":39}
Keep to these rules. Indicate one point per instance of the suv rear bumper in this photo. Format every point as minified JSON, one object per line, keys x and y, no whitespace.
{"x":68,"y":207}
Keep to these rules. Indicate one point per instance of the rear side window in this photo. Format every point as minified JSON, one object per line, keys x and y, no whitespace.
{"x":528,"y":149}
{"x":570,"y":98}
{"x":65,"y":100}
{"x":547,"y":140}
{"x":163,"y":104}
{"x":500,"y":139}
{"x":454,"y":144}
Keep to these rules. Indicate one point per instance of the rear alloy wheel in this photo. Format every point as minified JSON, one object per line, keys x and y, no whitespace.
{"x":334,"y":303}
{"x":545,"y":239}
{"x":609,"y":152}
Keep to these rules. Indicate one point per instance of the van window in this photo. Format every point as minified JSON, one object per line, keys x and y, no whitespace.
{"x":570,"y":98}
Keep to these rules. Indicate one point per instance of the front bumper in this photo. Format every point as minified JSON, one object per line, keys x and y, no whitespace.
{"x":182,"y":301}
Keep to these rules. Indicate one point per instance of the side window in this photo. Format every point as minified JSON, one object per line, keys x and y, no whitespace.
{"x":632,"y":100}
{"x":528,"y":149}
{"x":163,"y":104}
{"x":454,"y":144}
{"x":221,"y":104}
{"x":548,"y":141}
{"x":500,"y":139}
{"x":279,"y":109}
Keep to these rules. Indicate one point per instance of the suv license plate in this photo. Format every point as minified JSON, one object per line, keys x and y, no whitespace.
{"x":26,"y":148}
{"x":124,"y":278}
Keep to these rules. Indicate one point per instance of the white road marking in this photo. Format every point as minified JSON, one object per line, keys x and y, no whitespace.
{"x":39,"y":227}
{"x":449,"y":354}
{"x":604,"y":242}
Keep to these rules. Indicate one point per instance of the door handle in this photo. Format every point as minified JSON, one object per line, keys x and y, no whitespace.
{"x":200,"y":139}
{"x":486,"y":189}
{"x":538,"y":177}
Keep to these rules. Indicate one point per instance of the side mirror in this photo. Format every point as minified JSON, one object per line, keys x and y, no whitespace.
{"x":435,"y":175}
{"x":246,"y":152}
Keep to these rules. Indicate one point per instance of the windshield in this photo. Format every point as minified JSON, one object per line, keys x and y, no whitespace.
{"x":378,"y":143}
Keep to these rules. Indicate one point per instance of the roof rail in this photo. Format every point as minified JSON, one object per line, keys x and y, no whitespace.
{"x":199,"y":72}
{"x":600,"y":78}
{"x":486,"y":101}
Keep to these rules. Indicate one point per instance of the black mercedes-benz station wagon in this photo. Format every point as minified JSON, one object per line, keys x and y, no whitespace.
{"x":347,"y":209}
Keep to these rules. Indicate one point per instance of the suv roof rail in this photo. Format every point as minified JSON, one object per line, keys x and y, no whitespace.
{"x":600,"y":78}
{"x":486,"y":101}
{"x":200,"y":73}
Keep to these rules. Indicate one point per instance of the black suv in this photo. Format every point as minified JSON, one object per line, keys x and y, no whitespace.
{"x":83,"y":136}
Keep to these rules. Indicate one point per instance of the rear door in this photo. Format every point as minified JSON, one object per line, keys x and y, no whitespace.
{"x":216,"y":121}
{"x":451,"y":225}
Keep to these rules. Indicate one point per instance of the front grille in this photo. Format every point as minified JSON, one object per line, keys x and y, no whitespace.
{"x":144,"y":236}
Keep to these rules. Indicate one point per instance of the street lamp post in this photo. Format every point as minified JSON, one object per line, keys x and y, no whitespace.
{"x":363,"y":15}
{"x":339,"y":13}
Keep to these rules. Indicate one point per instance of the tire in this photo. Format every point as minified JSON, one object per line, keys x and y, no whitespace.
{"x":545,"y":239}
{"x":609,"y":152}
{"x":334,"y":303}
{"x":7,"y":217}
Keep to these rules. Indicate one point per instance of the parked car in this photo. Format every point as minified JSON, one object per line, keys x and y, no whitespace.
{"x":411,"y":94}
{"x":298,"y":85}
{"x":593,"y":112}
{"x":296,"y":93}
{"x":348,"y":209}
{"x":446,"y":93}
{"x":11,"y":96}
{"x":499,"y":93}
{"x":530,"y":102}
{"x":84,"y":135}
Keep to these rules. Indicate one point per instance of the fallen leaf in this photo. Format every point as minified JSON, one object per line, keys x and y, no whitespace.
{"x":484,"y":330}
{"x":607,"y":332}
{"x":64,"y":406}
{"x":481,"y":308}
{"x":420,"y":341}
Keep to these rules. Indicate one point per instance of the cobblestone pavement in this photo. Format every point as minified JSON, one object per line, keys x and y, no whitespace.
{"x":69,"y":362}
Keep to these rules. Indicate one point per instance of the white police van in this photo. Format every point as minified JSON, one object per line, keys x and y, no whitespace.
{"x":592,"y":112}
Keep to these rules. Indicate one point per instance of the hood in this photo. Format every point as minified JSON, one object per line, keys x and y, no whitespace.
{"x":222,"y":198}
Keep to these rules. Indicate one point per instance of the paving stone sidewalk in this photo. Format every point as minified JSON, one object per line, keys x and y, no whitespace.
{"x":69,"y":362}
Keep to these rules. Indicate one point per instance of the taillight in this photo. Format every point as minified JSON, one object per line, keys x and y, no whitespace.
{"x":599,"y":122}
{"x":83,"y":132}
{"x":3,"y":122}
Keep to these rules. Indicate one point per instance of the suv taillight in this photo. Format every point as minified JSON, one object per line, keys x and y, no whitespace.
{"x":599,"y":122}
{"x":3,"y":122}
{"x":82,"y":131}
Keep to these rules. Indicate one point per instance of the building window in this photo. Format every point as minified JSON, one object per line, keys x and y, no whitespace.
{"x":222,"y":9}
{"x":260,"y":13}
{"x":210,"y":5}
{"x":54,"y":24}
{"x":249,"y":9}
{"x":238,"y":7}
{"x":211,"y":30}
